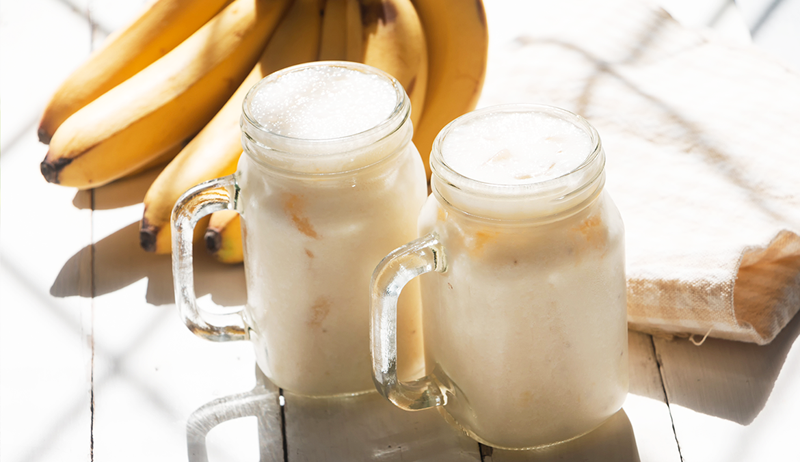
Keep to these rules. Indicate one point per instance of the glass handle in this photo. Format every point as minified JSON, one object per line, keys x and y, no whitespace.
{"x":194,"y":204}
{"x":418,"y":257}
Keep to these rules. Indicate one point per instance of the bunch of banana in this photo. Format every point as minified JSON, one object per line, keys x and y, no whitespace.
{"x":457,"y":51}
{"x":165,"y":103}
{"x":162,"y":26}
{"x":215,"y":151}
{"x":124,"y":120}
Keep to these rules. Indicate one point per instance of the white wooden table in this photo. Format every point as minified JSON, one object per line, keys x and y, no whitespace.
{"x":96,"y":364}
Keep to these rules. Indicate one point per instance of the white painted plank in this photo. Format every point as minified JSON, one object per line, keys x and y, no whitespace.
{"x":646,"y":403}
{"x":45,"y":341}
{"x":42,"y":41}
{"x":735,"y":401}
{"x":237,"y":429}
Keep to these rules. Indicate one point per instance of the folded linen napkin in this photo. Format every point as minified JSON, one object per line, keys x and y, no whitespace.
{"x":702,"y":139}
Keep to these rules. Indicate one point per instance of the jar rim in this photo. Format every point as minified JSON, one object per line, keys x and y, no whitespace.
{"x":390,"y":124}
{"x":595,"y":159}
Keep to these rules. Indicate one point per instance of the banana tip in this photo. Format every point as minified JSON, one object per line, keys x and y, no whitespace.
{"x":147,"y":236}
{"x":44,"y":135}
{"x":50,"y":170}
{"x":213,"y":241}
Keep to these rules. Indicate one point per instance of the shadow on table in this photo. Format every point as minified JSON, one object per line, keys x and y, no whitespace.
{"x":119,"y":262}
{"x":727,"y":379}
{"x":121,"y":193}
{"x":367,"y":427}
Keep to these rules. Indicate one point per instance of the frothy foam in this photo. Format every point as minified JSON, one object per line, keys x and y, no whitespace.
{"x":323,"y":103}
{"x":515,"y":148}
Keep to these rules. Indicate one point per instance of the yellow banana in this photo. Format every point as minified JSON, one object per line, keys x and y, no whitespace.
{"x":224,"y":237}
{"x":165,"y":103}
{"x":457,"y":51}
{"x":333,"y":38}
{"x":355,"y":49}
{"x":215,"y":151}
{"x":162,"y":159}
{"x":162,"y":26}
{"x":394,"y":42}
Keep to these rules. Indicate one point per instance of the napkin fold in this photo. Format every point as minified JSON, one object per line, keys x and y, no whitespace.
{"x":702,"y":138}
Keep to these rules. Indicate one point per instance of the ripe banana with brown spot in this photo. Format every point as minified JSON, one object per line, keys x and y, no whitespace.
{"x":162,"y":26}
{"x":215,"y":151}
{"x":394,"y":42}
{"x":224,"y":237}
{"x":458,"y":41}
{"x":165,"y":103}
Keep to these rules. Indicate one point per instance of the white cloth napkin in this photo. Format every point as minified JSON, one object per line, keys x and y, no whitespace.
{"x":702,"y":139}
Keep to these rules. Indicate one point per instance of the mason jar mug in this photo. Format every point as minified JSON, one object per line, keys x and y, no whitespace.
{"x":328,"y":183}
{"x":523,"y":282}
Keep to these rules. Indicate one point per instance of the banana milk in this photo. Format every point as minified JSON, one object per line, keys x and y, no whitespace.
{"x":331,"y":183}
{"x":524,"y":316}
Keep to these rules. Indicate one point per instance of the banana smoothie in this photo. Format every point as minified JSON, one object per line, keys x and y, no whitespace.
{"x":524,"y":315}
{"x":534,"y":294}
{"x":330,"y":183}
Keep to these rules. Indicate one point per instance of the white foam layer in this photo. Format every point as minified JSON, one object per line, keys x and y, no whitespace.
{"x":515,"y":147}
{"x":323,"y":103}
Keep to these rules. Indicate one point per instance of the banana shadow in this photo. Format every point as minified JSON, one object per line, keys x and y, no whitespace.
{"x":368,"y":427}
{"x":121,"y":193}
{"x":118,"y":262}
